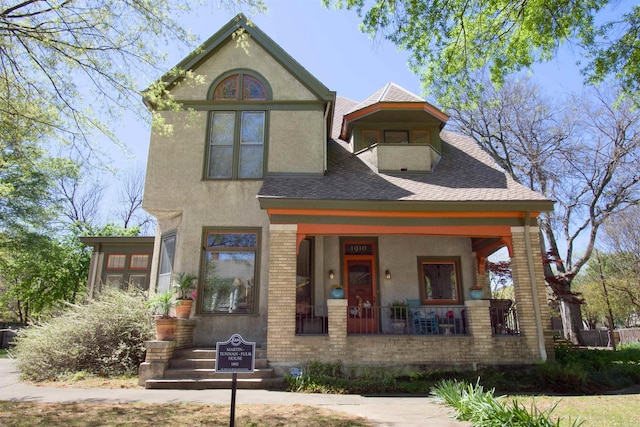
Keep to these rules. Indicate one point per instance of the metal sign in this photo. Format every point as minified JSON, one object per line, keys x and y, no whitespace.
{"x":235,"y":355}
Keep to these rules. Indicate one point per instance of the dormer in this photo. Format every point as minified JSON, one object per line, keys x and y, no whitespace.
{"x":395,"y":130}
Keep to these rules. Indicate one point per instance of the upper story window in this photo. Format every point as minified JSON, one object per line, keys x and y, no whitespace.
{"x":237,"y":132}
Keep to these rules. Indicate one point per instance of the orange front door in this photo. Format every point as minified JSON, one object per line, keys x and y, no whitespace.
{"x":360,"y":287}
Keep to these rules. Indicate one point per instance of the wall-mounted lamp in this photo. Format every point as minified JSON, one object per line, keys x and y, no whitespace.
{"x":387,"y":274}
{"x":331,"y":275}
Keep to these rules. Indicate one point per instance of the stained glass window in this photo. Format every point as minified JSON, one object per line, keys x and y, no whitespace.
{"x":227,"y":89}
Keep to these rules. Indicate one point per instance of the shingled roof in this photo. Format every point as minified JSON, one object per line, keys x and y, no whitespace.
{"x":465,"y":173}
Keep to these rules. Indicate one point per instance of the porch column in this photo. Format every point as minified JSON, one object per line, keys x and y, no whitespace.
{"x":530,"y":292}
{"x":337,"y":324}
{"x":281,"y":321}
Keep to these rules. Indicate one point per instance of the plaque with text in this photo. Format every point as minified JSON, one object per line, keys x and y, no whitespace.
{"x":235,"y":355}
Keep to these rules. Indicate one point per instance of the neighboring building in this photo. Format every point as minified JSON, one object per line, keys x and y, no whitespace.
{"x":123,"y":262}
{"x":272,"y":190}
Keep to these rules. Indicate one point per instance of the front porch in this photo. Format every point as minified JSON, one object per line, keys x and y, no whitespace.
{"x":463,"y":335}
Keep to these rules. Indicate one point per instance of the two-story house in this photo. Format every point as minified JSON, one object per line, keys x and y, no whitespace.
{"x":273,"y":191}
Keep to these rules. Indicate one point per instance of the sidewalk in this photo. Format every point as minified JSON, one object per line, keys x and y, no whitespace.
{"x":382,"y":411}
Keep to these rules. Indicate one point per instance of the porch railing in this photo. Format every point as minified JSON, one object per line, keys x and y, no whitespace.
{"x":424,"y":320}
{"x":504,"y":317}
{"x":312,"y":320}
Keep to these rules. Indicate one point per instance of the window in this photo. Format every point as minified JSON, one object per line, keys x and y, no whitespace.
{"x":115,"y":281}
{"x":116,"y":261}
{"x":138,"y":281}
{"x":139,"y":262}
{"x":439,"y":279}
{"x":230,"y":267}
{"x":370,"y":137}
{"x":421,"y":137}
{"x":167,"y":250}
{"x":237,"y":137}
{"x":396,"y":136}
{"x":236,"y":145}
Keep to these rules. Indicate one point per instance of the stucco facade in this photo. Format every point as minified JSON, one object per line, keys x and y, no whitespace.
{"x":336,"y":200}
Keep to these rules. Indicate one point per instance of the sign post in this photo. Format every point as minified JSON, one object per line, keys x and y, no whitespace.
{"x":233,"y":356}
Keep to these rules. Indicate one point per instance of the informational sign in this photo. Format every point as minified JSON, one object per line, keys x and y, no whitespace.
{"x":235,"y":355}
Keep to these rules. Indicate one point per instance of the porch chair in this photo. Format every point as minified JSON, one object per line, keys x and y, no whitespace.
{"x":421,"y":324}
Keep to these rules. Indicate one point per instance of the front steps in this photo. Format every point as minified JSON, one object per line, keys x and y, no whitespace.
{"x":194,"y":369}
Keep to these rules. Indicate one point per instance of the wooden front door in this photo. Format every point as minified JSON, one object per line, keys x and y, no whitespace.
{"x":360,"y":278}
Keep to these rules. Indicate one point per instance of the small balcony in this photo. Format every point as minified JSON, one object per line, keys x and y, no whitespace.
{"x":401,"y":158}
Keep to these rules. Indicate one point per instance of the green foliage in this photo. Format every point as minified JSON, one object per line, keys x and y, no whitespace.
{"x":104,"y":337}
{"x":450,"y":41}
{"x":183,"y":283}
{"x":472,"y":403}
{"x":398,"y":310}
{"x":161,"y":304}
{"x":38,"y":272}
{"x":576,"y":371}
{"x":75,"y":55}
{"x":621,"y":275}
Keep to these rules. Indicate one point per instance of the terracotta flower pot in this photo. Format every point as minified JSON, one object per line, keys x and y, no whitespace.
{"x":166,"y":328}
{"x":183,"y":308}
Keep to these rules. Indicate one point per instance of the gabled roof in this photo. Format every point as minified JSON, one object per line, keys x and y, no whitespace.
{"x":389,"y":97}
{"x":225,"y":34}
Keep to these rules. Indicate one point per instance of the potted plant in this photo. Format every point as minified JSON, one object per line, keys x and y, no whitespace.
{"x":476,"y":292}
{"x":337,"y":292}
{"x":398,"y":315}
{"x":166,"y":324}
{"x":184,"y":284}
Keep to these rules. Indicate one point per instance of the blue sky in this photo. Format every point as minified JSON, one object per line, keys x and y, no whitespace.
{"x":328,"y":44}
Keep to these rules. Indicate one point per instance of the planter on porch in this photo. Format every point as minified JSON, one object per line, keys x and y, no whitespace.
{"x":476,"y":294}
{"x":183,"y":308}
{"x":337,"y":293}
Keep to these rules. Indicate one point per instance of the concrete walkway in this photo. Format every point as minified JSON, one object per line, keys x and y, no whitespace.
{"x":382,"y":411}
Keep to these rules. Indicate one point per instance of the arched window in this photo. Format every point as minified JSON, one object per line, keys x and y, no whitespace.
{"x":237,"y":132}
{"x":230,"y":88}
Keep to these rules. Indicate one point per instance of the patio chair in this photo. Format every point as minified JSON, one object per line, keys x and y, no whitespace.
{"x":422,"y":324}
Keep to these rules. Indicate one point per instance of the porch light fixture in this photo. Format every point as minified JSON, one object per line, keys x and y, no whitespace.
{"x":331,"y":275}
{"x":387,"y":274}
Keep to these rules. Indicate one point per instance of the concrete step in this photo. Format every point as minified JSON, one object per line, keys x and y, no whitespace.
{"x":201,"y":363}
{"x":223,"y":383}
{"x":212,"y":374}
{"x":194,"y":369}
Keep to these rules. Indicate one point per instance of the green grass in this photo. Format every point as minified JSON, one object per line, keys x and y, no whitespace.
{"x":610,"y":410}
{"x":3,"y":353}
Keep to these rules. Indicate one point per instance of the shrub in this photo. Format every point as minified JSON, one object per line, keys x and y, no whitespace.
{"x":105,"y":337}
{"x":472,"y":403}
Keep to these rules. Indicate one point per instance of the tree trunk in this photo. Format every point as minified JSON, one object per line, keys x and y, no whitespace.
{"x":571,"y":320}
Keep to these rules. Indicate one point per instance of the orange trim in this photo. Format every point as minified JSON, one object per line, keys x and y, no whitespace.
{"x":299,"y":238}
{"x":397,"y":214}
{"x":398,"y":106}
{"x":363,"y":230}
